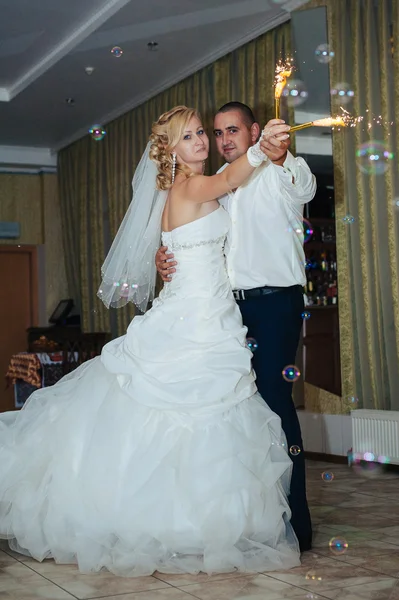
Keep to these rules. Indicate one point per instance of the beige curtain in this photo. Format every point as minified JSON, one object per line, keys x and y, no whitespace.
{"x":72,"y":181}
{"x":364,"y":36}
{"x":368,"y":249}
{"x":95,"y":177}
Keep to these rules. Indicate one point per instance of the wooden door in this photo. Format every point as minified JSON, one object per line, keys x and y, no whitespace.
{"x":18,"y":308}
{"x":322,"y":358}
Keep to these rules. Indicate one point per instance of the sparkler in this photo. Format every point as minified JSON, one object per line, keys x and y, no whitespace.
{"x":343,"y":120}
{"x":283,"y":71}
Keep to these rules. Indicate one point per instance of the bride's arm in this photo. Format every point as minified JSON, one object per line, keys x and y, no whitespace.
{"x":201,"y":188}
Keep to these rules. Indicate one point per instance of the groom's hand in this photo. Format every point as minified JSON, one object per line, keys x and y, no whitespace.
{"x":275,"y":140}
{"x":164,"y":263}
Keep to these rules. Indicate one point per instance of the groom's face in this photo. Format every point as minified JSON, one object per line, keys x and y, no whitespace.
{"x":233,"y":135}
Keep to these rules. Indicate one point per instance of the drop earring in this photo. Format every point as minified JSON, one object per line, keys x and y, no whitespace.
{"x":173,"y":167}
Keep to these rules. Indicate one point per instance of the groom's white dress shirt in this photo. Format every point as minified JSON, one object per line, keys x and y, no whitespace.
{"x":263,"y":246}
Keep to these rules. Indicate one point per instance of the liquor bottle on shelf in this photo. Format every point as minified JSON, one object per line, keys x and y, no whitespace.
{"x":321,"y":263}
{"x":321,"y":286}
{"x":309,"y":292}
{"x":334,"y":293}
{"x":324,"y":263}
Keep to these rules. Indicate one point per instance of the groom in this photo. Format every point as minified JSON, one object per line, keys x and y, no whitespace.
{"x":266,"y":267}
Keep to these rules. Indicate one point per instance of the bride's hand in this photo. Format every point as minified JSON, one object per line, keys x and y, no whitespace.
{"x":275,"y":140}
{"x":275,"y":129}
{"x":273,"y":152}
{"x":165,"y":268}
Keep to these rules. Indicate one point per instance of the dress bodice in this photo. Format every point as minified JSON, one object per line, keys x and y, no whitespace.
{"x":198,"y":248}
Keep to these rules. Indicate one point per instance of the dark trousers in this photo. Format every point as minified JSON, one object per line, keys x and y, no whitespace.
{"x":275,"y":321}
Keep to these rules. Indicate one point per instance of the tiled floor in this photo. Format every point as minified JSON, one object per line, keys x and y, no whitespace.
{"x":358,"y":509}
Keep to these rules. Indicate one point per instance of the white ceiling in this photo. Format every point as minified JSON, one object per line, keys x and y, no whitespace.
{"x":45,"y":46}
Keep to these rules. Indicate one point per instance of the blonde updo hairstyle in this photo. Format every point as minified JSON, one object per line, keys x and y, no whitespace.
{"x":166,"y":134}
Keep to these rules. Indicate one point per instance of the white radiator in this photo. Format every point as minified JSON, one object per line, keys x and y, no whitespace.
{"x":376,"y":432}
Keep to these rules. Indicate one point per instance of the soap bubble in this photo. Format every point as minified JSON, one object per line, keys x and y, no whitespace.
{"x":353,"y":400}
{"x":295,"y":91}
{"x":307,"y":230}
{"x":342,"y":93}
{"x":291,"y":373}
{"x":383,"y":460}
{"x":313,"y":575}
{"x":324,"y":54}
{"x":348,"y":219}
{"x":369,"y":456}
{"x":252,"y":344}
{"x":308,"y":264}
{"x":282,"y":444}
{"x":327,"y":476}
{"x":368,"y":464}
{"x":117,"y":51}
{"x":97,"y":132}
{"x":124,"y":291}
{"x":304,"y":231}
{"x":295,"y":450}
{"x":373,"y":158}
{"x":338,"y":546}
{"x":306,"y":315}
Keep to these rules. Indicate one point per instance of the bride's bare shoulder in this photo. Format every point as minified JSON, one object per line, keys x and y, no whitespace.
{"x":179,"y":211}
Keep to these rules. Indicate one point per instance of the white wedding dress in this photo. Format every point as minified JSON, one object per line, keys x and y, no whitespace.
{"x":158,"y":455}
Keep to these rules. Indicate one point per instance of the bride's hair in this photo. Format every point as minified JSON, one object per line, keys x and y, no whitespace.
{"x":166,"y":133}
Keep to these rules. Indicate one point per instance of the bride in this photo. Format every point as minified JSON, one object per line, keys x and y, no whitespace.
{"x":159,"y":454}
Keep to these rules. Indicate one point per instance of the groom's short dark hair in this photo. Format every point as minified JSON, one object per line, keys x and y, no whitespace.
{"x":246,"y":112}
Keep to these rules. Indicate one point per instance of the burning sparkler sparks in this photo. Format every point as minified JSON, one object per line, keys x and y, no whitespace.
{"x":378,"y":120}
{"x":283,"y":71}
{"x":345,"y":119}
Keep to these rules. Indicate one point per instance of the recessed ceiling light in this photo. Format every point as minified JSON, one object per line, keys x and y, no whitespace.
{"x":70,"y":101}
{"x":152,"y":46}
{"x":89,"y":70}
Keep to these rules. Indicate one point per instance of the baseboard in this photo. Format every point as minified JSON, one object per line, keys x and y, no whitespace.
{"x":327,"y":434}
{"x":343,"y":460}
{"x":331,"y":458}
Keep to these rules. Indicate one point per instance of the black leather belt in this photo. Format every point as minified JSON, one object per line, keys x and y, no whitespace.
{"x":260,"y":291}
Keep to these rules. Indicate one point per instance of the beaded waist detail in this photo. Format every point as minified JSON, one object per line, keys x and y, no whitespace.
{"x":175,"y":246}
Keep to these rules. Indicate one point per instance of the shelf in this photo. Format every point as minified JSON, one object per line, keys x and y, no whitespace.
{"x":320,"y":270}
{"x":319,"y":245}
{"x":320,"y":221}
{"x":316,"y":307}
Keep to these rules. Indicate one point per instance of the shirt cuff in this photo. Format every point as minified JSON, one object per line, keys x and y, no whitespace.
{"x":291,"y":167}
{"x":290,"y":163}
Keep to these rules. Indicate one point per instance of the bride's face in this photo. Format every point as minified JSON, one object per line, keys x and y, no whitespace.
{"x":193,"y":147}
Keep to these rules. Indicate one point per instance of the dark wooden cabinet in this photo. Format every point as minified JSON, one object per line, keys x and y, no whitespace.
{"x":75,"y":345}
{"x":322,"y":367}
{"x":54,"y":335}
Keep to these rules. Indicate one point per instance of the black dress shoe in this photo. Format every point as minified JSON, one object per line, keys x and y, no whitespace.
{"x":305,"y":546}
